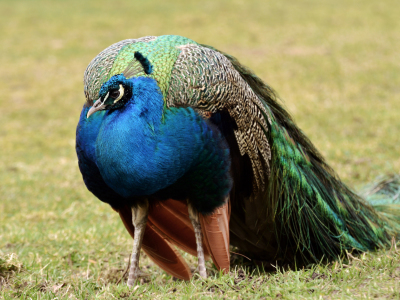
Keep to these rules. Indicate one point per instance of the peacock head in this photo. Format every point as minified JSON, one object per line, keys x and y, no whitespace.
{"x":113,"y":94}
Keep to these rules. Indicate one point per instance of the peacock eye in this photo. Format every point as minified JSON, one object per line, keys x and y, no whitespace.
{"x":116,"y":95}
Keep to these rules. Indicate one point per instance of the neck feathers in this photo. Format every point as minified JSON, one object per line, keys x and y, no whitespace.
{"x":139,"y":153}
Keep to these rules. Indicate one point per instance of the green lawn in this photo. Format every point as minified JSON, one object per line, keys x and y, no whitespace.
{"x":335,"y":64}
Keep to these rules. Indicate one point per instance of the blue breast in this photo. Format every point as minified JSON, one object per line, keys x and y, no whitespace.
{"x":86,"y":135}
{"x":142,"y":149}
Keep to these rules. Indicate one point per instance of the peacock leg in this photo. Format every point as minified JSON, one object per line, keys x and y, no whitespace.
{"x":194,"y":218}
{"x":139,"y":220}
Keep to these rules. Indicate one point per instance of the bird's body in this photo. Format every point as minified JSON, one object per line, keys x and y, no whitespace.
{"x":186,"y":122}
{"x":143,"y":151}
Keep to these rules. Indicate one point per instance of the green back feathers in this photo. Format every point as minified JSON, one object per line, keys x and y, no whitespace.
{"x":161,"y":52}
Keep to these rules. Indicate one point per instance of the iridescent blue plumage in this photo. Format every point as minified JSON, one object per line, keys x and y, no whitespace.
{"x":86,"y":135}
{"x":142,"y":150}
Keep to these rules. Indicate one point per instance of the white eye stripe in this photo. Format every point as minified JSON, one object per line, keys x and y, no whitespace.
{"x":105,"y":98}
{"x":121,"y":93}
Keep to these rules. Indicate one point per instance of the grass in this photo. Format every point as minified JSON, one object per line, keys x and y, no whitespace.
{"x":334,"y":63}
{"x":373,"y":275}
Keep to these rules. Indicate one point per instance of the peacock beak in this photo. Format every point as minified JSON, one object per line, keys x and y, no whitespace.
{"x":98,"y":105}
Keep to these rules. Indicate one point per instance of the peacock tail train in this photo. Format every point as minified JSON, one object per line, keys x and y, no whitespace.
{"x":315,"y":214}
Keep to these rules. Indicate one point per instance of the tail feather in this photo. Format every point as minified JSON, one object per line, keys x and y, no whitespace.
{"x":384,"y":196}
{"x":385,"y":191}
{"x":316,"y":215}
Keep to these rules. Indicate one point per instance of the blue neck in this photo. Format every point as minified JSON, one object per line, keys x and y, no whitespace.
{"x":137,"y":151}
{"x":139,"y":154}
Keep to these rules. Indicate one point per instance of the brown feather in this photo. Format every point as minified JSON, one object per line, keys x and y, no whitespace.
{"x":168,"y":222}
{"x":215,"y":230}
{"x":157,"y":247}
{"x":171,"y":218}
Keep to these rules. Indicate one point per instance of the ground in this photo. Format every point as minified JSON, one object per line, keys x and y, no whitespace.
{"x":335,"y":64}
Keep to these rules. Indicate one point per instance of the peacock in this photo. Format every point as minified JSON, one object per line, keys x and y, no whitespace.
{"x":195,"y":152}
